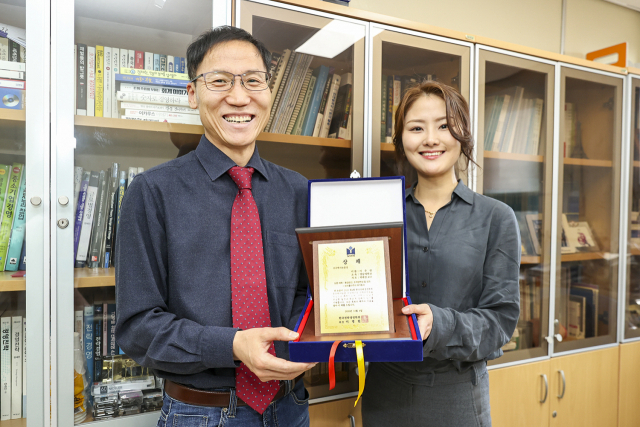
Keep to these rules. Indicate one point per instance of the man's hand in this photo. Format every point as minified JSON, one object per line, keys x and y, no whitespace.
{"x":252,"y":348}
{"x":424,"y":315}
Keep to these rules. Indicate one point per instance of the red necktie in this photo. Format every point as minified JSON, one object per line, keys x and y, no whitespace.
{"x":249,"y":302}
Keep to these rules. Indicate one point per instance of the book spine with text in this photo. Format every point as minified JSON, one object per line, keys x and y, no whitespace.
{"x":158,"y":107}
{"x":170,"y":63}
{"x":112,"y":347}
{"x":105,"y":327}
{"x":124,"y":58}
{"x":98,"y":229}
{"x":115,"y":66}
{"x":10,"y":203}
{"x":87,"y":220}
{"x":97,"y":343}
{"x":16,"y":367}
{"x":113,"y":197}
{"x":24,"y":367}
{"x":108,"y":80}
{"x":81,"y":81}
{"x":131,"y":59}
{"x":18,"y":229}
{"x":153,"y":98}
{"x":99,"y":105}
{"x":163,"y":62}
{"x":139,"y":61}
{"x":148,"y":61}
{"x":82,"y":200}
{"x":91,"y":81}
{"x":133,"y":87}
{"x":88,"y":341}
{"x":5,"y":369}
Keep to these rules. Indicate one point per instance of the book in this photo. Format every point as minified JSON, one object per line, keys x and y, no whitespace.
{"x":500,"y":124}
{"x":82,"y":199}
{"x":88,"y":341}
{"x":113,"y":197}
{"x":139,"y":60}
{"x":23,"y":257}
{"x":148,"y":61}
{"x":527,"y":248}
{"x":183,"y":66}
{"x":158,"y":81}
{"x":343,"y":101}
{"x":99,"y":103}
{"x":298,"y":107}
{"x":535,"y":128}
{"x":134,"y":87}
{"x":12,"y":66}
{"x":591,"y":293}
{"x":10,"y":203}
{"x":97,"y":343}
{"x":16,"y":367}
{"x":12,"y":99}
{"x":7,"y":74}
{"x":131,"y":174}
{"x":156,"y":62}
{"x":329,"y":108}
{"x":115,"y":67}
{"x":91,"y":81}
{"x":111,"y":345}
{"x":157,"y":74}
{"x":24,"y":367}
{"x":291,"y":93}
{"x":77,"y":179}
{"x":153,"y":98}
{"x":124,"y":58}
{"x":13,"y":84}
{"x":117,"y":387}
{"x":577,"y":313}
{"x":78,"y":323}
{"x":4,"y":49}
{"x":322,"y":74}
{"x":192,"y":119}
{"x":5,"y":173}
{"x":534,"y":221}
{"x":97,"y":231}
{"x":81,"y":81}
{"x":397,"y":97}
{"x":170,"y":62}
{"x":105,"y":327}
{"x":5,"y":369}
{"x":121,"y":187}
{"x":163,"y":63}
{"x":275,"y":103}
{"x":325,"y":95}
{"x":383,"y":108}
{"x":87,"y":220}
{"x":18,"y":229}
{"x":389,"y":136}
{"x":297,"y":128}
{"x":107,"y":93}
{"x":124,"y":105}
{"x":512,"y":121}
{"x":131,"y":59}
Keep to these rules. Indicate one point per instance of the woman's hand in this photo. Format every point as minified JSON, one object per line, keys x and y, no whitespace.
{"x":424,"y":315}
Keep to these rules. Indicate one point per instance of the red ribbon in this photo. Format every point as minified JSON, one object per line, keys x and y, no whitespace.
{"x":332,"y":371}
{"x":411,"y":326}
{"x":303,"y":323}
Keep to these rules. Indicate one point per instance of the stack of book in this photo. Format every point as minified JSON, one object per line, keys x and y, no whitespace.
{"x":131,"y":84}
{"x":393,"y":87}
{"x":13,"y":368}
{"x":308,"y":101}
{"x":98,"y":197}
{"x":13,"y":56}
{"x":512,"y":122}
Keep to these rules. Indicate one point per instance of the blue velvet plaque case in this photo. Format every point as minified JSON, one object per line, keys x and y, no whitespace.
{"x":344,"y":206}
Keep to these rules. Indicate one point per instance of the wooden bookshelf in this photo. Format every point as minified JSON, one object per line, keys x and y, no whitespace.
{"x":512,"y":156}
{"x":12,"y":115}
{"x":634,"y":252}
{"x":387,"y":146}
{"x":19,"y":422}
{"x":138,"y":125}
{"x":94,"y":277}
{"x":636,"y":164}
{"x":583,"y":256}
{"x":10,"y":284}
{"x":588,"y":162}
{"x":529,"y":259}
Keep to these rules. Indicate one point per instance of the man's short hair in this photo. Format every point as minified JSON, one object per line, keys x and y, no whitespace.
{"x":200,"y":47}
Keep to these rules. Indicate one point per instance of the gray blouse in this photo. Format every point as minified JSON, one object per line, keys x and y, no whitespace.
{"x":466,"y":268}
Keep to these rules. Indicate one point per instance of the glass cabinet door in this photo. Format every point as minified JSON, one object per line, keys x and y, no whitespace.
{"x":515,"y":152}
{"x":589,"y":208}
{"x":121,"y":108}
{"x":318,"y":131}
{"x":318,"y":73}
{"x":402,"y":59}
{"x":632,"y":295}
{"x":24,"y":152}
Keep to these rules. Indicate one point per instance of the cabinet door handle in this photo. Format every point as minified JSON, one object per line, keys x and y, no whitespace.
{"x":352,"y":420}
{"x":546,"y":388}
{"x":564,"y":384}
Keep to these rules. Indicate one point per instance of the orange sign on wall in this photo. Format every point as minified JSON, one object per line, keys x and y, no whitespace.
{"x":618,"y":50}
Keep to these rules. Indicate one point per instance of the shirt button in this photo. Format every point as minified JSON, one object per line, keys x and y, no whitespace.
{"x":424,"y":284}
{"x":425,"y":249}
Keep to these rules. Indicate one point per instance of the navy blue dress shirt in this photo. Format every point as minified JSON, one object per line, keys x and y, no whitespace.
{"x":173,"y":277}
{"x":466,"y":267}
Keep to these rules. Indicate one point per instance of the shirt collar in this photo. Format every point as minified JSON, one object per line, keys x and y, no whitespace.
{"x":216,"y":163}
{"x":461,"y":190}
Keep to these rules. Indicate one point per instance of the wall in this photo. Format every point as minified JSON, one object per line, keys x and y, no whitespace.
{"x":590,"y":24}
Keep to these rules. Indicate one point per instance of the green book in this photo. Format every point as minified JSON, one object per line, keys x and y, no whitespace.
{"x":10,"y":202}
{"x":5,"y":172}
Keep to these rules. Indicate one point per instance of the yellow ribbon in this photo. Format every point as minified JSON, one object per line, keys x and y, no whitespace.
{"x":361,"y":372}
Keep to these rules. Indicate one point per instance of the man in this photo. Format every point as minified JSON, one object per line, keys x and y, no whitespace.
{"x":208,"y":271}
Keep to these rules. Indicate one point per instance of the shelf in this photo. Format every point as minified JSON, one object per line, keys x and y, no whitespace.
{"x":9,"y":284}
{"x":18,"y":422}
{"x":387,"y":146}
{"x":634,"y":252}
{"x":94,"y":277}
{"x":512,"y":156}
{"x":13,"y":115}
{"x":529,"y":259}
{"x":584,"y":256}
{"x":636,"y":164}
{"x":137,"y":125}
{"x":588,"y":162}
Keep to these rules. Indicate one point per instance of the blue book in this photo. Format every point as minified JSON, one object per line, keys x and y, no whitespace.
{"x":112,"y":347}
{"x":82,"y":198}
{"x":17,"y":231}
{"x":97,"y":343}
{"x":88,"y":341}
{"x":156,"y":62}
{"x":23,"y":257}
{"x":151,"y":80}
{"x":11,"y":98}
{"x":183,"y":64}
{"x":322,"y":74}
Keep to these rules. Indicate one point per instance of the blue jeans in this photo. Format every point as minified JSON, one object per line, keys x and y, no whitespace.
{"x":291,"y":410}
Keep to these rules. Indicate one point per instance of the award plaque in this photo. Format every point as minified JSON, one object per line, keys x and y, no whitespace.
{"x":352,"y":286}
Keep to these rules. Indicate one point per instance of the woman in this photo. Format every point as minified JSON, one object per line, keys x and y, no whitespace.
{"x":464,"y":259}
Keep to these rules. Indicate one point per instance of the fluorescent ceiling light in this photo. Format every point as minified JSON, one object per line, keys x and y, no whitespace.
{"x":333,"y":39}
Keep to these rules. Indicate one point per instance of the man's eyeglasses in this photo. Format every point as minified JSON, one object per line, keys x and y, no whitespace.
{"x":221,"y":81}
